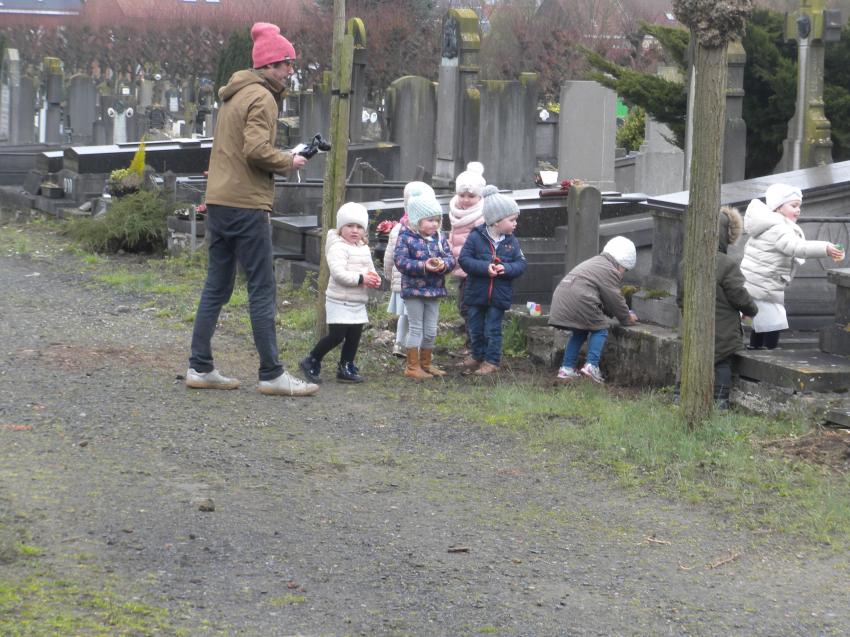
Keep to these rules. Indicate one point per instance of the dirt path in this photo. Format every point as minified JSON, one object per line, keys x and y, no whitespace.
{"x":359,"y":512}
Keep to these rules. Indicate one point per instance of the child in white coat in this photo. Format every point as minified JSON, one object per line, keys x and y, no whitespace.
{"x":776,"y":248}
{"x":351,"y":273}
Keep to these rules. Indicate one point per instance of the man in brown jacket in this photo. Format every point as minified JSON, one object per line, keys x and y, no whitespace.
{"x":239,"y":197}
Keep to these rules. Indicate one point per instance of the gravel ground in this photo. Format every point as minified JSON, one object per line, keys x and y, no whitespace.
{"x":357,"y":512}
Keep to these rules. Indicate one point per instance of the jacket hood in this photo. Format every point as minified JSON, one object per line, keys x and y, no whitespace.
{"x":241,"y":79}
{"x":760,"y":218}
{"x":731,"y":225}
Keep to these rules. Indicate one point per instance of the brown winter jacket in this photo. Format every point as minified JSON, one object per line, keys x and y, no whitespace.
{"x":244,"y":160}
{"x":731,"y":297}
{"x":589,"y":295}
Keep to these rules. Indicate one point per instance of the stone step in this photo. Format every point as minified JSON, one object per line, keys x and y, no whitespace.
{"x":795,"y":369}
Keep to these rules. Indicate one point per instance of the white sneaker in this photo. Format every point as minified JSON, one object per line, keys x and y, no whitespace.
{"x":287,"y":385}
{"x":399,"y":351}
{"x":593,"y":373}
{"x":210,"y":380}
{"x":568,"y":373}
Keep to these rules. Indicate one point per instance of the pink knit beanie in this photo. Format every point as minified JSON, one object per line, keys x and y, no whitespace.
{"x":270,"y":46}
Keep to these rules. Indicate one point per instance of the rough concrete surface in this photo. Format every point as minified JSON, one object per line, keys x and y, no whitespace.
{"x":357,"y":512}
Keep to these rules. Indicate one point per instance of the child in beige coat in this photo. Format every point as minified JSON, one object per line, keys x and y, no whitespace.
{"x":351,"y":274}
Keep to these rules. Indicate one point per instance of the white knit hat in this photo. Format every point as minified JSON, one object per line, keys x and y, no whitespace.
{"x":424,"y":207}
{"x":623,"y":251}
{"x":417,"y":189}
{"x":779,"y":194}
{"x":471,"y":179}
{"x":352,"y":212}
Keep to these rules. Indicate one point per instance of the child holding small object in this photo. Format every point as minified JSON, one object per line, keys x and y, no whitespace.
{"x":492,"y":259}
{"x":351,"y":273}
{"x":423,"y":257}
{"x":585,"y":300}
{"x":396,"y":304}
{"x":775,"y":250}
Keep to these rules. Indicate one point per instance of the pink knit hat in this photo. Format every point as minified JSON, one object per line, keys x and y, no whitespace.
{"x":269,"y":45}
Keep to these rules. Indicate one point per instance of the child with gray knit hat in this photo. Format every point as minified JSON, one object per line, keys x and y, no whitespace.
{"x":492,"y":259}
{"x":423,"y":257}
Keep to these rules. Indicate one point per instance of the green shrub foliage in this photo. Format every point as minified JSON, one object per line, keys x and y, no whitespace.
{"x":135,"y":223}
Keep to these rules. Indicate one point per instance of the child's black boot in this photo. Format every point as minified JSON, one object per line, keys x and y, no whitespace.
{"x":312,"y":367}
{"x":347,"y":372}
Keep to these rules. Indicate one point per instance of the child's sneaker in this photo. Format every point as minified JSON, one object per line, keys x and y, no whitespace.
{"x":568,"y":373}
{"x":592,"y":372}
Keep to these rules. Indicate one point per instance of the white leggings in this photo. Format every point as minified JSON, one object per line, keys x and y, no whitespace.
{"x":422,"y":315}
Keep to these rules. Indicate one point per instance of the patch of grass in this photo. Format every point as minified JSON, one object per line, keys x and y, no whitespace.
{"x":27,"y":550}
{"x":641,"y":440}
{"x":40,"y":606}
{"x":513,"y":337}
{"x":288,"y":599}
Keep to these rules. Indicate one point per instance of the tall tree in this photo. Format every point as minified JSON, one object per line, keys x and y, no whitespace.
{"x":713,"y":24}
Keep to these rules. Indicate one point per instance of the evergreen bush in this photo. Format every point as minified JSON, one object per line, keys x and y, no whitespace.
{"x":134,"y":223}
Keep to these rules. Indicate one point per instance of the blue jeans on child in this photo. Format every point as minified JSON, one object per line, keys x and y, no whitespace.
{"x":595,"y":342}
{"x":243,"y":235}
{"x":485,"y":332}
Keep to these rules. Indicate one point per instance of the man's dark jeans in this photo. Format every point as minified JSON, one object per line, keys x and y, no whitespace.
{"x":243,"y":235}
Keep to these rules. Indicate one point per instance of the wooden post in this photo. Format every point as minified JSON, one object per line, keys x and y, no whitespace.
{"x":333,"y":192}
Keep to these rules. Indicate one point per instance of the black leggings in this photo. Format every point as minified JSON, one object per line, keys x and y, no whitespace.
{"x":768,"y":340}
{"x":346,"y":333}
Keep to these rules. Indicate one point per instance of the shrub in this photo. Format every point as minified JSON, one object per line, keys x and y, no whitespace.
{"x":135,"y":223}
{"x":630,"y":134}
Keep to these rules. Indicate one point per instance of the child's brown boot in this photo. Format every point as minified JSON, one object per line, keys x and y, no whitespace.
{"x":413,"y":369}
{"x":427,"y":365}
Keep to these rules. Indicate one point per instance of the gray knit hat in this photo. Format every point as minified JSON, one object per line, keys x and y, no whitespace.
{"x":497,"y":206}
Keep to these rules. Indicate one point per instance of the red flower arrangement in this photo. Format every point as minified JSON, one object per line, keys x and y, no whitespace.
{"x":386,"y":226}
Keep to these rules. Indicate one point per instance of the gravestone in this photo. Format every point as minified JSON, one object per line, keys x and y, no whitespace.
{"x":17,"y":102}
{"x":82,"y":108}
{"x":587,"y":133}
{"x":315,"y":118}
{"x":145,"y":94}
{"x":659,"y":163}
{"x":53,"y":84}
{"x":358,"y":80}
{"x":584,"y":209}
{"x":506,"y":130}
{"x":458,"y":76}
{"x":120,"y":113}
{"x":412,"y":116}
{"x":809,"y":141}
{"x":835,"y":337}
{"x":735,"y":130}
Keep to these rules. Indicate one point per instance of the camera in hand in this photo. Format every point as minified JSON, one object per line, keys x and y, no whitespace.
{"x":316,"y":144}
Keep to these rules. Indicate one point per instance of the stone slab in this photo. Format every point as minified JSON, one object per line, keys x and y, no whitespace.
{"x":795,"y":370}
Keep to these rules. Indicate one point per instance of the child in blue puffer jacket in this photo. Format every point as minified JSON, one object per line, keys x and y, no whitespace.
{"x":492,"y":259}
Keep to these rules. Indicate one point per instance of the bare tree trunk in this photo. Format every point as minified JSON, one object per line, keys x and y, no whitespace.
{"x":333,"y":191}
{"x":697,"y":375}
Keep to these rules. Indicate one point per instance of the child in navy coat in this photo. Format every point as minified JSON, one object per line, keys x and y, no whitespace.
{"x":492,"y":259}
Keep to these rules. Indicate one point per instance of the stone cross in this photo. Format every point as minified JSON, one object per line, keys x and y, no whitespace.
{"x":457,"y":99}
{"x":808,"y":142}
